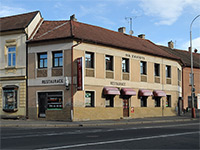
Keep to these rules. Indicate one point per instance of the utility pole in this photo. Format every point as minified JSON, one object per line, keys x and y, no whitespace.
{"x":130,"y":19}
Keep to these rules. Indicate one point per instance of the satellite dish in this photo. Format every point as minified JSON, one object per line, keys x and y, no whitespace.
{"x":131,"y":32}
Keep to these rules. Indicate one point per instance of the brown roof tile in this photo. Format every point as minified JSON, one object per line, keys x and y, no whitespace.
{"x":16,"y":22}
{"x":51,"y":30}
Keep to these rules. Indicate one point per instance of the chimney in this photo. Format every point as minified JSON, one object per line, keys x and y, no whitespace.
{"x":72,"y":17}
{"x":122,"y":29}
{"x":142,"y":36}
{"x":195,"y":51}
{"x":171,"y":44}
{"x":189,"y":49}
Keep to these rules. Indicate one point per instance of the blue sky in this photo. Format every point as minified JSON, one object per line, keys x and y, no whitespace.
{"x":160,"y":20}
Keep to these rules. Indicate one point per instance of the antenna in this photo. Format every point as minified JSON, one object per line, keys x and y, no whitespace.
{"x":130,"y":22}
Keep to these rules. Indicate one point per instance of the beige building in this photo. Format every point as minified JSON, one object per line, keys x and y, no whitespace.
{"x":14,"y":31}
{"x":83,"y":72}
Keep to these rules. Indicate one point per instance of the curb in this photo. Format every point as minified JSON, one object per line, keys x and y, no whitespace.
{"x":90,"y":125}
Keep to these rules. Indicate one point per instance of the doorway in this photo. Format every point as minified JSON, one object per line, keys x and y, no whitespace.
{"x":125,"y":107}
{"x":42,"y":102}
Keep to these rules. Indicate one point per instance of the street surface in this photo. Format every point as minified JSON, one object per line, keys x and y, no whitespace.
{"x":177,"y":135}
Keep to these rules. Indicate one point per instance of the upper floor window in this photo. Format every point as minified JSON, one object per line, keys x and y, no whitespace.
{"x":125,"y":65}
{"x":157,"y":69}
{"x":89,"y":60}
{"x":57,"y":59}
{"x":143,"y":67}
{"x":42,"y":60}
{"x":179,"y":75}
{"x":168,"y":71}
{"x":109,"y":62}
{"x":12,"y":56}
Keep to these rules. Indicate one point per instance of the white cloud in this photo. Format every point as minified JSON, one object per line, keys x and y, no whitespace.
{"x":8,"y":11}
{"x":195,"y":44}
{"x":167,"y":11}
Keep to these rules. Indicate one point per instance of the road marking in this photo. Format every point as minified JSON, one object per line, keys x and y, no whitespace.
{"x":93,"y":131}
{"x":118,"y":141}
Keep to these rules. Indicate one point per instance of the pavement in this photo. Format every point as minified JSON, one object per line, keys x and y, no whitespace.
{"x":128,"y":121}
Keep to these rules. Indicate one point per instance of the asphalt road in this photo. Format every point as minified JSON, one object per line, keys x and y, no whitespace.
{"x":179,"y":135}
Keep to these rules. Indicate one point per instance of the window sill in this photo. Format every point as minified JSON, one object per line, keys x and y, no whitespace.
{"x":12,"y":67}
{"x":10,"y":110}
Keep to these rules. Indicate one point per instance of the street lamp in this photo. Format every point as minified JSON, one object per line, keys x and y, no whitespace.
{"x":192,"y":75}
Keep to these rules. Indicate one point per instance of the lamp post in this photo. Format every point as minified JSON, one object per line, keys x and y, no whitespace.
{"x":192,"y":75}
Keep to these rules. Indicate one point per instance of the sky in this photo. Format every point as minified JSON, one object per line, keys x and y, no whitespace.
{"x":160,"y":20}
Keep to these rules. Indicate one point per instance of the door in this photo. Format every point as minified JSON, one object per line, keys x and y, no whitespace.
{"x":42,"y":102}
{"x":126,"y":107}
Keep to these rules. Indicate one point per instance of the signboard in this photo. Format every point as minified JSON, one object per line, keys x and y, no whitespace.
{"x":198,"y":101}
{"x":80,"y":74}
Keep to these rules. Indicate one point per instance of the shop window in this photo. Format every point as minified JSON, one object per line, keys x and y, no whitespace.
{"x":109,"y":62}
{"x":54,"y":100}
{"x":143,"y":101}
{"x":168,"y":71}
{"x":12,"y":56}
{"x":157,"y":70}
{"x":89,"y":99}
{"x":57,"y":59}
{"x":157,"y":101}
{"x":109,"y":101}
{"x":42,"y":60}
{"x":10,"y":98}
{"x":168,"y":101}
{"x":125,"y":65}
{"x":143,"y":68}
{"x":89,"y":60}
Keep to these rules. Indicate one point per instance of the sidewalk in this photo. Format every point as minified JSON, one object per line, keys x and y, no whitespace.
{"x":38,"y":123}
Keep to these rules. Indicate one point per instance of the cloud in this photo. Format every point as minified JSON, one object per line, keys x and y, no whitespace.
{"x":167,"y":11}
{"x":8,"y":11}
{"x":195,"y":44}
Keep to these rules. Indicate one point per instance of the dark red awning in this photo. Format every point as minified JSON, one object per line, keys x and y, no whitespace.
{"x":145,"y":93}
{"x":128,"y":91}
{"x":159,"y":93}
{"x":111,"y":91}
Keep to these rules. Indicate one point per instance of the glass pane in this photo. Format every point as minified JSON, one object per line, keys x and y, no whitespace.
{"x":11,"y":49}
{"x":9,"y":60}
{"x":57,"y":54}
{"x":10,"y":99}
{"x":61,"y":62}
{"x":14,"y":59}
{"x":45,"y":63}
{"x":41,"y":63}
{"x":43,"y":55}
{"x":56,"y":62}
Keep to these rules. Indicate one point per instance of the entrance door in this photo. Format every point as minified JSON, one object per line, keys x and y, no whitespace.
{"x":42,"y":102}
{"x":126,"y":108}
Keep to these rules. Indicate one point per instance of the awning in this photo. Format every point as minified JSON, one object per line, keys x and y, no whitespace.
{"x":159,"y":93}
{"x":111,"y":91}
{"x":128,"y":91}
{"x":145,"y":93}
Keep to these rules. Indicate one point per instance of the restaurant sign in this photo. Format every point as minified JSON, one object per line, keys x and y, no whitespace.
{"x":80,"y":74}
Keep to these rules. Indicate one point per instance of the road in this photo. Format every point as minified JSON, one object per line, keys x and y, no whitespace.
{"x":179,"y":135}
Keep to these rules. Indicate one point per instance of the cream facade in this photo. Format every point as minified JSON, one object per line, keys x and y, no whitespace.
{"x":93,"y":103}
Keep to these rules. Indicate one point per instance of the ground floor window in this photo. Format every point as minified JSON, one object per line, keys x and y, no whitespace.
{"x":109,"y":101}
{"x":168,"y":101}
{"x":89,"y":99}
{"x":10,"y":98}
{"x":143,"y":101}
{"x":157,"y":101}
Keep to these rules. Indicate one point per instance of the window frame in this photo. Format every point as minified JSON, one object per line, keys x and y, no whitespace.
{"x":125,"y":65}
{"x":14,"y":91}
{"x":157,"y":101}
{"x":142,"y":100}
{"x":92,"y":101}
{"x":156,"y":69}
{"x":110,"y":100}
{"x":168,"y":71}
{"x":110,"y":67}
{"x":43,"y":60}
{"x":90,"y":60}
{"x":169,"y":100}
{"x":143,"y":67}
{"x":12,"y":53}
{"x":61,"y":57}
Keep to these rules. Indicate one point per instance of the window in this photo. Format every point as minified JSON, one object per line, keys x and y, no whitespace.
{"x":143,"y":67}
{"x":109,"y":62}
{"x":110,"y":101}
{"x":10,"y":98}
{"x":179,"y":75}
{"x":42,"y":60}
{"x":12,"y":56}
{"x":125,"y":65}
{"x":54,"y":100}
{"x":89,"y":60}
{"x":144,"y":101}
{"x":157,"y":70}
{"x":89,"y":99}
{"x":168,"y":101}
{"x":168,"y":71}
{"x":57,"y":59}
{"x":157,"y":101}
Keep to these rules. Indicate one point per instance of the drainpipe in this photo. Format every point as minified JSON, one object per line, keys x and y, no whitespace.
{"x":72,"y":82}
{"x":26,"y":77}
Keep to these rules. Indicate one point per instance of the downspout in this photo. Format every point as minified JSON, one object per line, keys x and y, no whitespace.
{"x":26,"y":76}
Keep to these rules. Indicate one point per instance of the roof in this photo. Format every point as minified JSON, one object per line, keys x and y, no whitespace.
{"x":51,"y":30}
{"x":185,"y":56}
{"x":17,"y":22}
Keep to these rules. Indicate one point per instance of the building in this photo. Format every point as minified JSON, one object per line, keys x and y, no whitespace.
{"x":78,"y":71}
{"x":186,"y":59}
{"x":14,"y":31}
